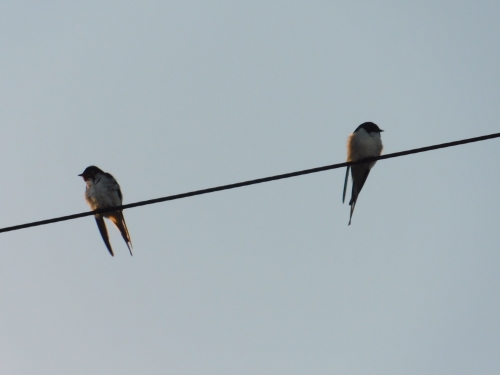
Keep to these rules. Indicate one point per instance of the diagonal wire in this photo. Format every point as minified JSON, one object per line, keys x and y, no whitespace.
{"x":249,"y":182}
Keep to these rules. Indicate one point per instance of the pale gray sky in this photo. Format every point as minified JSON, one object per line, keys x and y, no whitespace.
{"x":269,"y":279}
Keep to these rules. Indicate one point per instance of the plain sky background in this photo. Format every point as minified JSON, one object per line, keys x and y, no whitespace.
{"x":269,"y":279}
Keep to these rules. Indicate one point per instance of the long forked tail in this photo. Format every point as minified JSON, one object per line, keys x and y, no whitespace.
{"x":119,"y":221}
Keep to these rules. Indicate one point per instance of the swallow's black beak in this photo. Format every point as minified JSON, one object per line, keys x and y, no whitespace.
{"x":381,"y":130}
{"x":81,"y":175}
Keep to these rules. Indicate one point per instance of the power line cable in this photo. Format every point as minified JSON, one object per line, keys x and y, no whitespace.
{"x":250,"y":182}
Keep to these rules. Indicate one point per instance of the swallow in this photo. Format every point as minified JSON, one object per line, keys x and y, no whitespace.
{"x":363,"y":143}
{"x":103,"y":191}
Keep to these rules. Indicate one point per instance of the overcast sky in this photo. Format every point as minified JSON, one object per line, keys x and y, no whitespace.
{"x":267,"y":279}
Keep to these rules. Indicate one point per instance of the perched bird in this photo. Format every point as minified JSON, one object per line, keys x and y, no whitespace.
{"x":102,"y":192}
{"x":363,"y":143}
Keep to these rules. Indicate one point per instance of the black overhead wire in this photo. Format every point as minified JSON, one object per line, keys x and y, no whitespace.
{"x":250,"y":182}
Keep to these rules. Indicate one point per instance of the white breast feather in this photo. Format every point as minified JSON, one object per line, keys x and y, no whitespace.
{"x":362,"y":145}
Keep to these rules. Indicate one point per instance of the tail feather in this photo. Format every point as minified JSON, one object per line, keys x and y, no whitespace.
{"x":104,"y":232}
{"x":345,"y":183}
{"x":118,"y":220}
{"x":360,"y":173}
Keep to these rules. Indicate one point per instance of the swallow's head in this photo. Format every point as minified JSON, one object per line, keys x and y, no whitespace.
{"x":369,"y":127}
{"x":90,"y":172}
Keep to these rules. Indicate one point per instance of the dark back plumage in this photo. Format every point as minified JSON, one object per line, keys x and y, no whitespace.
{"x":102,"y":192}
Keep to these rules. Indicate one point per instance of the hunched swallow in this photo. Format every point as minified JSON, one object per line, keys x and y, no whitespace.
{"x":102,"y":192}
{"x":363,"y":143}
